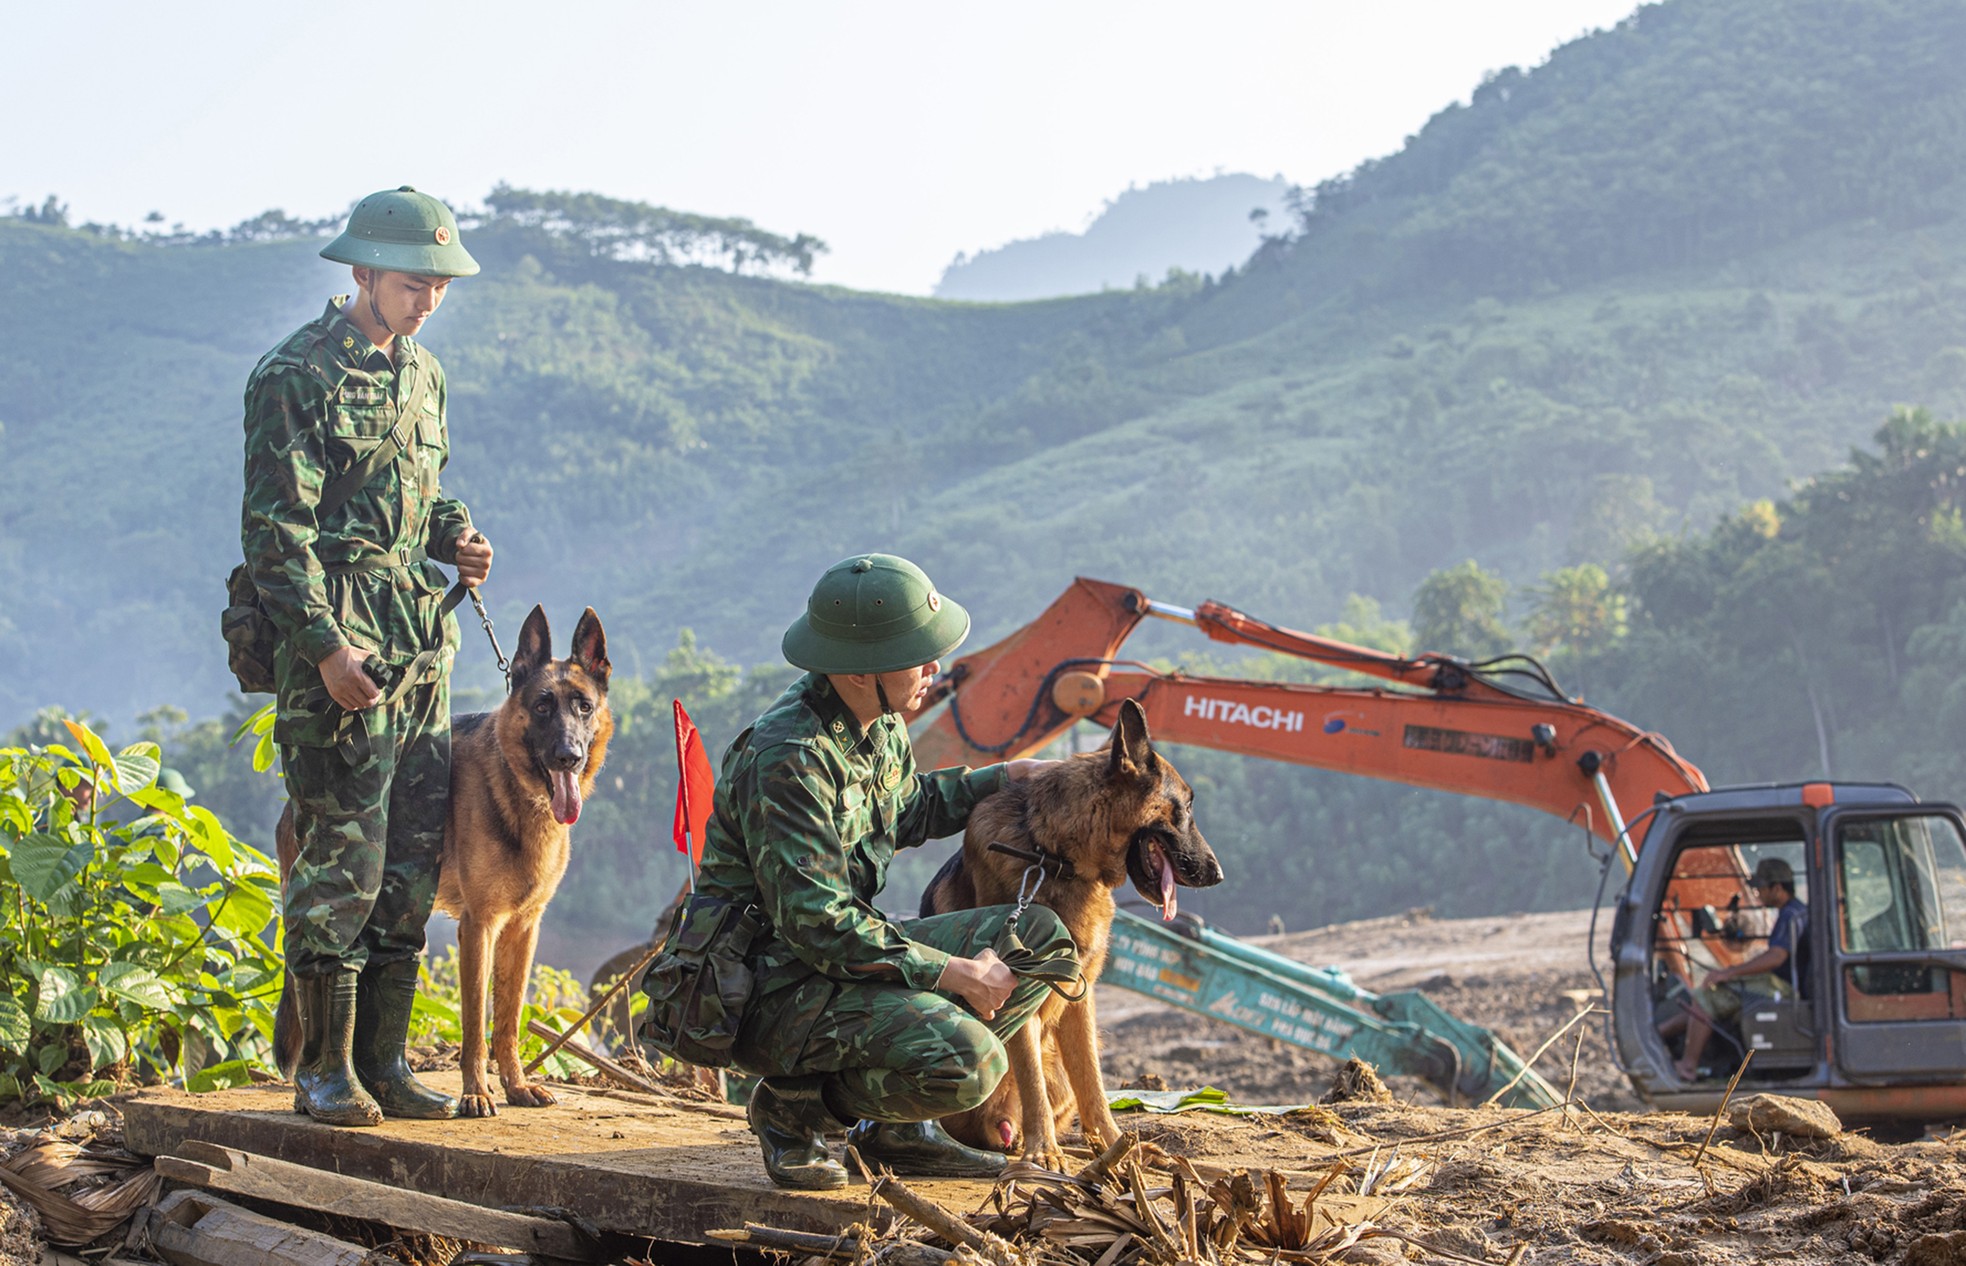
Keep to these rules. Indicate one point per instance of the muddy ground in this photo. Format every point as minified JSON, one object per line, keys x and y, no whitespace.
{"x":1615,"y":1184}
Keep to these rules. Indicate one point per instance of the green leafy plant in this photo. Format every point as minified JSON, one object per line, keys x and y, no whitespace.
{"x":137,"y":936}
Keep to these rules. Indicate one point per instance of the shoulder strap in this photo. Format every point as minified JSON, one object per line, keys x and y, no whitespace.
{"x":355,"y":477}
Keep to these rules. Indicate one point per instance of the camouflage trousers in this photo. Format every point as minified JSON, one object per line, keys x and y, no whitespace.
{"x":369,"y":822}
{"x":895,"y":1053}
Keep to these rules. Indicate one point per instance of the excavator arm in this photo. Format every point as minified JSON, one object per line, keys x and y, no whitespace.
{"x":1500,"y":729}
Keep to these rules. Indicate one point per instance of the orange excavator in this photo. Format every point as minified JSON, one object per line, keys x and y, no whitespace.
{"x":1871,"y":1014}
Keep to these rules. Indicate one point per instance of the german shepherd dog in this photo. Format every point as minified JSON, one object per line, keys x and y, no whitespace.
{"x":1094,"y":820}
{"x":519,"y":776}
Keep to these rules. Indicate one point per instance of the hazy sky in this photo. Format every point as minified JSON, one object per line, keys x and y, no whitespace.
{"x":900,"y":133}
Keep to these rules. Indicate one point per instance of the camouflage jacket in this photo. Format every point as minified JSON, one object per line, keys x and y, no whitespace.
{"x":808,"y":813}
{"x":315,"y":406}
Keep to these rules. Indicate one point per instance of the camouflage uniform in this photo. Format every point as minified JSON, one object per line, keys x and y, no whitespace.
{"x":809,"y":811}
{"x":369,"y":789}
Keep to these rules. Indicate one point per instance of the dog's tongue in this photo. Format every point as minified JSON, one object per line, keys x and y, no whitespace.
{"x":566,"y":797}
{"x":1168,"y":900}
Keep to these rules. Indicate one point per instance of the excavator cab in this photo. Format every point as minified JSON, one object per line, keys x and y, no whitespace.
{"x":1869,"y":1011}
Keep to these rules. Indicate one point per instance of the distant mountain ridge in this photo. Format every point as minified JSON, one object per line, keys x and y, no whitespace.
{"x":1425,"y":373}
{"x":1200,"y":225}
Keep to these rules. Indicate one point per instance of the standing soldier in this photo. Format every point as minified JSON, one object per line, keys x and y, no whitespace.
{"x":855,"y":1017}
{"x":365,"y":643}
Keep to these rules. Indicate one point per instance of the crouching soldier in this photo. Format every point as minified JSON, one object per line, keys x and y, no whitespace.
{"x":853,"y":1018}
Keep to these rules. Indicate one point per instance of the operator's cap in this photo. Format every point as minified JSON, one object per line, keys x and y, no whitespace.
{"x":403,"y":231}
{"x":874,"y":613}
{"x":1773,"y":870}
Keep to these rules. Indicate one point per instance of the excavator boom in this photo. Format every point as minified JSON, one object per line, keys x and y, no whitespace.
{"x":1490,"y":730}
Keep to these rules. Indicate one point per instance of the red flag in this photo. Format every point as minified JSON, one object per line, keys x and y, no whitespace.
{"x":693,"y":788}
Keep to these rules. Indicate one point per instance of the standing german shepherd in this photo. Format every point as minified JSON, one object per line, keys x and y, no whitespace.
{"x":518,"y":778}
{"x":1094,"y":820}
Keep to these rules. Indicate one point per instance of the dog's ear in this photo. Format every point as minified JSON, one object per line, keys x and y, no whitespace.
{"x":535,"y":647}
{"x":590,"y":648}
{"x":1131,"y":746}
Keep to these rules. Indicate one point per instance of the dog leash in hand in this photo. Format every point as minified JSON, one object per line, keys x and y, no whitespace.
{"x":1057,"y":969}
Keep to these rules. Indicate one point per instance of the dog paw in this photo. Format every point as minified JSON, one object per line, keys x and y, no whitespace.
{"x":476,"y":1105}
{"x":530,"y":1095}
{"x":1051,"y":1162}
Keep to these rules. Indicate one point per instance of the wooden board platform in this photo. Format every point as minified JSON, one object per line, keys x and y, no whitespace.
{"x":670,"y":1169}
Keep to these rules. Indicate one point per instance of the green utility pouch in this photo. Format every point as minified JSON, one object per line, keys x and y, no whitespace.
{"x":700,"y":982}
{"x":249,"y":634}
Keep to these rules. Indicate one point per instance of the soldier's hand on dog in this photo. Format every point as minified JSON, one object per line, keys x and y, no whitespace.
{"x":983,"y":982}
{"x":1018,"y":770}
{"x":474,"y":558}
{"x":347,"y":683}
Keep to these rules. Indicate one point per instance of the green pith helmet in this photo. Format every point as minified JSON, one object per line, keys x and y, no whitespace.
{"x":403,"y":231}
{"x":874,"y":613}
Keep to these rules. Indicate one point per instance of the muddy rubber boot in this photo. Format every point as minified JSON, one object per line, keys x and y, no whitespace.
{"x":325,"y":1086}
{"x":922,"y":1149}
{"x":790,"y":1118}
{"x":384,"y":997}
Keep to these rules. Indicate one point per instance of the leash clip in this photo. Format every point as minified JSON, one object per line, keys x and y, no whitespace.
{"x":484,"y":617}
{"x":1027,"y":891}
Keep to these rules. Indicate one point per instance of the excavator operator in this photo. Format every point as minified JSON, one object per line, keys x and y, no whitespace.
{"x":1776,"y":972}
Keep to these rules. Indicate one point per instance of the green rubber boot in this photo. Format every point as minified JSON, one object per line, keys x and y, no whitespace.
{"x":922,"y":1149}
{"x":325,"y":1086}
{"x":384,"y":997}
{"x":790,"y":1118}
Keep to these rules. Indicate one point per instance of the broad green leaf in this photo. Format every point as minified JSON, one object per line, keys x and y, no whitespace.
{"x":43,"y":864}
{"x":139,"y":985}
{"x":173,"y":930}
{"x":92,"y":744}
{"x":143,"y":748}
{"x":135,"y":771}
{"x":159,"y":800}
{"x":100,"y":1088}
{"x":175,"y":898}
{"x":50,"y":1058}
{"x":9,"y":1087}
{"x":212,"y":836}
{"x":107,"y":1045}
{"x":148,"y":875}
{"x":64,"y":999}
{"x":15,"y":1027}
{"x":235,"y":1072}
{"x":247,"y":910}
{"x":263,"y":752}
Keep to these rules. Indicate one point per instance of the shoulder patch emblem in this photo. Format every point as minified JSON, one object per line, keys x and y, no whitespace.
{"x":348,"y":340}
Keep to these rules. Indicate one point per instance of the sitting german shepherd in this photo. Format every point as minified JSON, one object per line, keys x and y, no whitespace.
{"x":518,"y":778}
{"x":1094,"y":820}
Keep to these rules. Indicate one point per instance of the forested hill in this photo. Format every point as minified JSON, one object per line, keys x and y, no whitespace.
{"x":1679,"y":265}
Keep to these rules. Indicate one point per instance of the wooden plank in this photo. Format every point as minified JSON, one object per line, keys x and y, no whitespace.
{"x":191,"y":1228}
{"x":264,"y":1178}
{"x":669,"y":1169}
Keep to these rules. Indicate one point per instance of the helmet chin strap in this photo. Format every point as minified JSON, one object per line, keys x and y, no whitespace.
{"x":375,"y":311}
{"x":880,"y":692}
